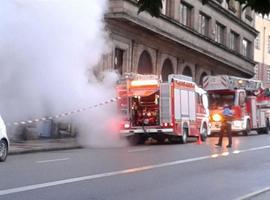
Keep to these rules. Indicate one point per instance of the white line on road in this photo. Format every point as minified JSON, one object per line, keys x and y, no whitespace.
{"x":138,"y":150}
{"x":121,"y":172}
{"x":254,"y":194}
{"x":54,"y":160}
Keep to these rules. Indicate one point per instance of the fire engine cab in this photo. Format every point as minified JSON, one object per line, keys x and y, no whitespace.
{"x":249,"y":101}
{"x":174,"y":110}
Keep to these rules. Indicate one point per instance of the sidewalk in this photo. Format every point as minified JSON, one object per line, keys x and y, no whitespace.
{"x":31,"y":146}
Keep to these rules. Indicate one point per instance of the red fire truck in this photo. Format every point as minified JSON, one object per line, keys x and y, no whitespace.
{"x":250,"y":103}
{"x":174,"y":110}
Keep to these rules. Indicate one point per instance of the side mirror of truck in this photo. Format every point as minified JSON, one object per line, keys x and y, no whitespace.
{"x":267,"y":92}
{"x":205,"y":101}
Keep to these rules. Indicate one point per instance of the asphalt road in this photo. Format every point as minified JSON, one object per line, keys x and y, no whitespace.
{"x":158,"y":172}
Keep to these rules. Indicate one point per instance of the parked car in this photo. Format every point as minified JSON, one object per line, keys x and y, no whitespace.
{"x":4,"y":142}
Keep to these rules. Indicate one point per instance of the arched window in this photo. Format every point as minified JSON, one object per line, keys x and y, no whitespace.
{"x":118,"y":60}
{"x":201,"y":78}
{"x":145,"y":64}
{"x":187,"y":71}
{"x":167,"y":69}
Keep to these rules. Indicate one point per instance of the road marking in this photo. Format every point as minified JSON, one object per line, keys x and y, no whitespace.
{"x":254,"y":194}
{"x":54,"y":160}
{"x":96,"y":176}
{"x":121,"y":172}
{"x":138,"y":150}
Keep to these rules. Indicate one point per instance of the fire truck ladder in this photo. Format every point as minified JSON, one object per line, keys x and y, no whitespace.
{"x":242,"y":83}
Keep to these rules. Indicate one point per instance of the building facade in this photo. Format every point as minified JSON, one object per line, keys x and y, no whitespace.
{"x":262,"y":50}
{"x":189,"y":38}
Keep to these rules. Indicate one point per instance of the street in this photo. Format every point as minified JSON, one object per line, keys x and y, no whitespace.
{"x":76,"y":76}
{"x":170,"y":171}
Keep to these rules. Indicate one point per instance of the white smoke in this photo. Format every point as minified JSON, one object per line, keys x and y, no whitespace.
{"x":48,"y":50}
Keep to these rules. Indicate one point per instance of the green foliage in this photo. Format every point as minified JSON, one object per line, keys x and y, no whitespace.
{"x":259,"y":6}
{"x":153,"y":7}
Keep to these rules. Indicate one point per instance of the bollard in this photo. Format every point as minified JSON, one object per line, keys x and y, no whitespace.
{"x":199,"y":140}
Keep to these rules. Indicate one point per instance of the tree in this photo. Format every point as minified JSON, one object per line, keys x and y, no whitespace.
{"x":153,"y":7}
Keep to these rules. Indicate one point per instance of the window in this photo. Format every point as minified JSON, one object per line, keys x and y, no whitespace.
{"x":204,"y":24}
{"x":257,"y":41}
{"x":185,"y":14}
{"x":220,"y":33}
{"x":256,"y":72}
{"x":187,"y":71}
{"x":118,"y":60}
{"x":164,"y":7}
{"x":246,"y":47}
{"x":167,"y":69}
{"x":234,"y":41}
{"x":217,"y":100}
{"x":268,"y":75}
{"x":145,"y":65}
{"x":269,"y":44}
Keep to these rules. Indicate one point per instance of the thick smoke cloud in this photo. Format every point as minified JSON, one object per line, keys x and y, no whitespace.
{"x":48,"y":50}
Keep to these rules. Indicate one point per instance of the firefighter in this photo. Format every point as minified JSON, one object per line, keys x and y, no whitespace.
{"x":226,"y":127}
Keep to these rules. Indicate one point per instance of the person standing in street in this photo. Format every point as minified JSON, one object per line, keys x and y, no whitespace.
{"x":226,"y":126}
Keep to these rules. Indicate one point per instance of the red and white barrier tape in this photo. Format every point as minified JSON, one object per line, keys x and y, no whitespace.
{"x":63,"y":114}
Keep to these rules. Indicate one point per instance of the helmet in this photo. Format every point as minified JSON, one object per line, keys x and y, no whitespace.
{"x":226,"y":105}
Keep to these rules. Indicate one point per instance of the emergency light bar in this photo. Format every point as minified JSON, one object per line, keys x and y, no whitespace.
{"x":134,"y":76}
{"x":135,"y":83}
{"x":179,"y":77}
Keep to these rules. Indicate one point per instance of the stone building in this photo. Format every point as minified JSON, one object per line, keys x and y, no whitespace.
{"x":189,"y":38}
{"x":262,"y":50}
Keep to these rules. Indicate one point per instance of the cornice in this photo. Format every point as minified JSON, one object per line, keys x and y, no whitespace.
{"x":226,"y":13}
{"x":232,"y":17}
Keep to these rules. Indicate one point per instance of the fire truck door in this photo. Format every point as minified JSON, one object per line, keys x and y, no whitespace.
{"x":253,"y":113}
{"x":177,"y":104}
{"x":192,"y":105}
{"x":187,"y":105}
{"x":205,"y":103}
{"x":184,"y":104}
{"x":262,"y":119}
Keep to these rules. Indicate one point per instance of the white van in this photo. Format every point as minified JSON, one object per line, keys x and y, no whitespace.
{"x":4,"y":142}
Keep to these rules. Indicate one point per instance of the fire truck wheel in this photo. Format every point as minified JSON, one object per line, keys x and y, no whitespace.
{"x":204,"y":133}
{"x":136,"y":139}
{"x":183,"y":138}
{"x":160,"y":140}
{"x":248,"y":130}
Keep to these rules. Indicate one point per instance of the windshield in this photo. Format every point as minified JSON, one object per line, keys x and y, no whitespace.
{"x":219,"y":100}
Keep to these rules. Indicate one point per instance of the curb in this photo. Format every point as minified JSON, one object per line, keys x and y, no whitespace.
{"x":26,"y":151}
